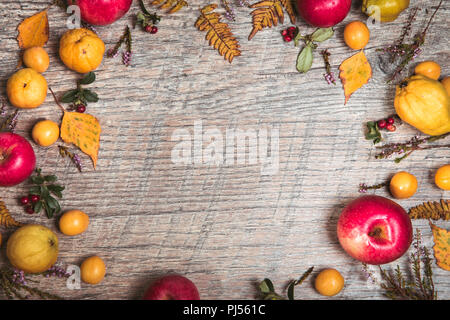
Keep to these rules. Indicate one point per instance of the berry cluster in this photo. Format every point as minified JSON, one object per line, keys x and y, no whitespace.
{"x":387,"y":124}
{"x":28,"y":201}
{"x":289,"y":34}
{"x":151,"y":29}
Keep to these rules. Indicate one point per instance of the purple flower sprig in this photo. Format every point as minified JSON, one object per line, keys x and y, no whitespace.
{"x":405,"y":149}
{"x":229,"y":11}
{"x":407,"y":51}
{"x":363,"y":188}
{"x":127,"y":53}
{"x":329,"y":76}
{"x":76,"y":160}
{"x":58,"y":271}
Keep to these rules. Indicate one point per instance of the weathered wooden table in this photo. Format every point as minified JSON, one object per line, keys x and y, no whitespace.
{"x":225,"y":226}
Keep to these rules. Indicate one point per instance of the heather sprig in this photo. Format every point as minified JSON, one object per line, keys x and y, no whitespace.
{"x":329,"y":76}
{"x":405,"y":149}
{"x":8,"y":121}
{"x":408,"y":51}
{"x":363,"y":188}
{"x":419,"y":285}
{"x":229,"y":11}
{"x":75,"y":158}
{"x":15,"y":285}
{"x":127,"y":53}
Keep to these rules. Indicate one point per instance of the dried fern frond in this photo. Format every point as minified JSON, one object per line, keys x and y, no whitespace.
{"x":218,"y":33}
{"x":172,"y":5}
{"x":266,"y":14}
{"x":431,"y":210}
{"x":287,"y":5}
{"x":5,"y":217}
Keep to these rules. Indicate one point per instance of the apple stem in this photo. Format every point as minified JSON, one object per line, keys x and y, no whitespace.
{"x":375,"y":232}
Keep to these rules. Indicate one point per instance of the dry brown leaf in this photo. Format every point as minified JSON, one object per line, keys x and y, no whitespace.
{"x":218,"y":33}
{"x":354,"y":73}
{"x":431,"y":210}
{"x":441,"y":246}
{"x":83,"y":130}
{"x":172,"y":5}
{"x":33,"y":31}
{"x":266,"y":14}
{"x":287,"y":5}
{"x":5,"y":217}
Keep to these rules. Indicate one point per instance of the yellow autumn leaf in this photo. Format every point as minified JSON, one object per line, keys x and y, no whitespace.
{"x":33,"y":31}
{"x":354,"y":73}
{"x":441,"y":246}
{"x":83,"y":130}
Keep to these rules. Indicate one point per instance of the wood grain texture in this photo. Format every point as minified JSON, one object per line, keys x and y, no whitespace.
{"x":224,"y":227}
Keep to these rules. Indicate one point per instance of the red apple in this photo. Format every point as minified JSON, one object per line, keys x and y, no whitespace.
{"x":172,"y":287}
{"x":17,"y":159}
{"x":374,"y":230}
{"x":323,"y":13}
{"x":102,"y":12}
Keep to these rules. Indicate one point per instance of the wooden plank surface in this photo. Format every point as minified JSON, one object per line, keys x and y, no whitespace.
{"x":226,"y":227}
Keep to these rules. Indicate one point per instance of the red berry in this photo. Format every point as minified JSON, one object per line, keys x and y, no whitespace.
{"x":148,"y":28}
{"x":24,"y":200}
{"x":34,"y":198}
{"x":391,"y":127}
{"x":390,"y":120}
{"x":29,"y":210}
{"x":154,"y":30}
{"x":292,"y":30}
{"x":81,"y":108}
{"x":284,"y":32}
{"x":382,"y":124}
{"x":287,"y":38}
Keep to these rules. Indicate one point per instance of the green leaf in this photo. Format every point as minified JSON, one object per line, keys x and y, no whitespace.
{"x":305,"y":59}
{"x":56,"y":190}
{"x":88,"y":78}
{"x":144,"y":10}
{"x":322,"y":34}
{"x":37,"y":207}
{"x":44,"y":192}
{"x":50,"y":178}
{"x":90,"y":96}
{"x":266,"y":286}
{"x":37,"y":179}
{"x":70,"y":96}
{"x":35,"y":190}
{"x":373,"y":133}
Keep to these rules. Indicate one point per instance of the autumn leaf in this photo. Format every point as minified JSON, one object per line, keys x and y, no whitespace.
{"x":354,"y":73}
{"x":5,"y":217}
{"x":266,"y":14}
{"x":441,"y":246}
{"x":83,"y":130}
{"x":33,"y":31}
{"x":172,"y":5}
{"x":218,"y":33}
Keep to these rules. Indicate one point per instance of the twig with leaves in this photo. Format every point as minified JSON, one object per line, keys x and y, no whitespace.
{"x":80,"y":96}
{"x":305,"y":57}
{"x":268,"y":292}
{"x":147,"y":20}
{"x":407,"y":148}
{"x":44,"y":186}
